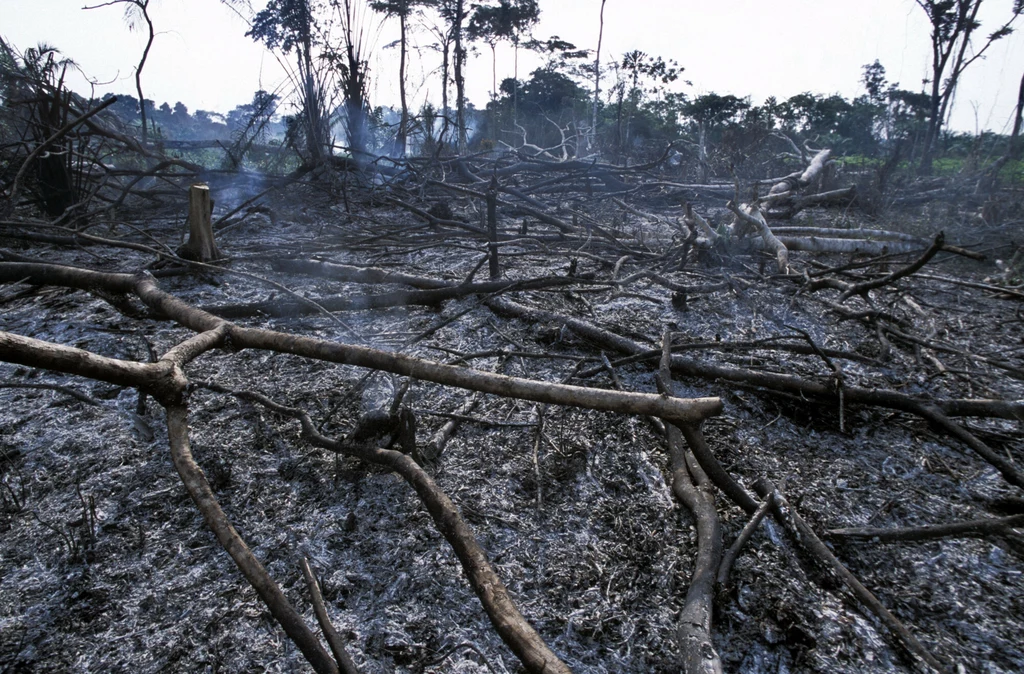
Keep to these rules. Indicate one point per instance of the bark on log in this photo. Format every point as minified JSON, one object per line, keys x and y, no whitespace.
{"x":796,"y":203}
{"x":344,"y":272}
{"x":928,"y":410}
{"x":430,"y":297}
{"x":695,"y":619}
{"x":695,"y":220}
{"x":819,"y":244}
{"x":675,"y":409}
{"x":969,"y":529}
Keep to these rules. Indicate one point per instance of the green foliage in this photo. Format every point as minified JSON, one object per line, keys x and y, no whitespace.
{"x":508,"y":20}
{"x":547,"y":92}
{"x":713,"y":109}
{"x":541,"y":106}
{"x":397,"y":8}
{"x":284,"y":24}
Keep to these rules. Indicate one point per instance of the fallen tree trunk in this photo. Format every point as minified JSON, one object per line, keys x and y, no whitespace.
{"x":788,"y":383}
{"x":679,"y":410}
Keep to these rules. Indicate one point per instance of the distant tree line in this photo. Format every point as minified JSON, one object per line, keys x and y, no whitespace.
{"x":627,"y":107}
{"x":178,"y":123}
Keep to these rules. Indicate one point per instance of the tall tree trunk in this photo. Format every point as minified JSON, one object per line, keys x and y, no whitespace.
{"x":311,"y":105}
{"x":445,"y":106}
{"x":618,"y":124}
{"x":355,"y":101}
{"x":460,"y":81}
{"x":931,"y":134}
{"x":494,"y":71}
{"x":515,"y":76}
{"x":1015,"y":144}
{"x":403,"y":125}
{"x":946,"y":76}
{"x":702,"y":151}
{"x":597,"y":79}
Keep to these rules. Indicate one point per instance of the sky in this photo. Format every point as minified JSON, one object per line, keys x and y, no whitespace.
{"x":754,"y":48}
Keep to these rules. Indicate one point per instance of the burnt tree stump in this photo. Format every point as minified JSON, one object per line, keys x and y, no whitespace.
{"x":200,"y":246}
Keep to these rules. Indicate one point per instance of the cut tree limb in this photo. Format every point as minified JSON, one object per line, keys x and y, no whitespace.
{"x":861,"y":288}
{"x":802,"y":532}
{"x":725,"y":568}
{"x":928,"y":410}
{"x":693,"y":490}
{"x":969,"y":529}
{"x":671,"y":409}
{"x":202,"y":495}
{"x":334,"y":640}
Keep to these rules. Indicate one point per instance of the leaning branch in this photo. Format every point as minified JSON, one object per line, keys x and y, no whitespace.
{"x":970,"y":529}
{"x":57,"y":135}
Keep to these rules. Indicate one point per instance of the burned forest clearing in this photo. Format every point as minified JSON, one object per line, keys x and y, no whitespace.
{"x":878,"y":392}
{"x":607,"y":376}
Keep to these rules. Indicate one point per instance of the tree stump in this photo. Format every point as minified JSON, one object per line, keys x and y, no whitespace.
{"x":200,"y":246}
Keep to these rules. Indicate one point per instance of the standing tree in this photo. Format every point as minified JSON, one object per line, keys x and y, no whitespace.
{"x":351,"y":65}
{"x":507,"y":20}
{"x":639,"y":67}
{"x":444,"y":46}
{"x":597,"y":78}
{"x":401,"y":10}
{"x":1018,"y":118}
{"x":33,"y":85}
{"x":455,"y":13}
{"x":708,"y":112}
{"x":288,"y":25}
{"x":953,"y":25}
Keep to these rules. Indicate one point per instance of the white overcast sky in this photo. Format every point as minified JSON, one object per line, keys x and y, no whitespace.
{"x":758,"y":48}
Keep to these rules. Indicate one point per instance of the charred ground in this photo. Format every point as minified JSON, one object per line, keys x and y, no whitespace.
{"x":106,"y":565}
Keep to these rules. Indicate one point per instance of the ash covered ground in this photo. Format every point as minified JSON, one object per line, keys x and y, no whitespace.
{"x":106,"y":565}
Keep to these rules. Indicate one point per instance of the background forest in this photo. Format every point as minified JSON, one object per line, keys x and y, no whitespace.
{"x":624,"y":107}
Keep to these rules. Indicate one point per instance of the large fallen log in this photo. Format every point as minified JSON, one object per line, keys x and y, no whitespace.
{"x":146,"y":288}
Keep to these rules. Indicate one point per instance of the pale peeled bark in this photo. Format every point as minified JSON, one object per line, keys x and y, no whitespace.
{"x":820,"y":244}
{"x":752,"y":216}
{"x":694,"y":219}
{"x":815,"y":168}
{"x":790,"y":184}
